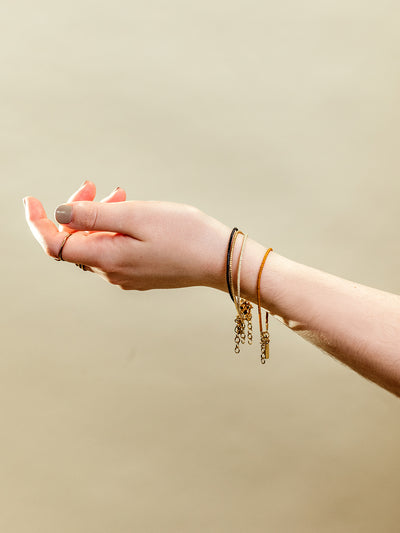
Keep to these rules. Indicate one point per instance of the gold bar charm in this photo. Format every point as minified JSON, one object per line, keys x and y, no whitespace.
{"x":267,"y":350}
{"x":264,"y":346}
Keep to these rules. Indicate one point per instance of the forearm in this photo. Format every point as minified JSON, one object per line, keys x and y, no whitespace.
{"x":358,"y":325}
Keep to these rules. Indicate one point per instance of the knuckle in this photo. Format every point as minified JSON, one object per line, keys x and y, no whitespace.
{"x":94,"y":217}
{"x":88,"y":216}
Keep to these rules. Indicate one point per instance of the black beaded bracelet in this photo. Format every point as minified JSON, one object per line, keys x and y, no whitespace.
{"x":227,"y":262}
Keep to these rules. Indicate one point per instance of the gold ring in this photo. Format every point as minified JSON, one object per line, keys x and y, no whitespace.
{"x":83,"y":267}
{"x":60,"y":257}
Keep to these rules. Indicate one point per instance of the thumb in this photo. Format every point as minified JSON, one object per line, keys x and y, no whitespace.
{"x":96,"y":216}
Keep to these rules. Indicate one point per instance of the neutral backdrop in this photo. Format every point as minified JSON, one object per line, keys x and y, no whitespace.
{"x":129,"y":411}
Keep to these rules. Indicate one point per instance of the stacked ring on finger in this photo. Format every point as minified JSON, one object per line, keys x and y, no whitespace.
{"x":59,"y":256}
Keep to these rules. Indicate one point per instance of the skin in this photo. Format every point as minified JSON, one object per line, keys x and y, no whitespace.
{"x":143,"y":245}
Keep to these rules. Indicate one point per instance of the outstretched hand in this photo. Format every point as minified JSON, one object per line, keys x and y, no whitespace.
{"x":137,"y":245}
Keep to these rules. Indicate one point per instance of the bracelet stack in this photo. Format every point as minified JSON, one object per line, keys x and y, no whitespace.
{"x":244,"y":307}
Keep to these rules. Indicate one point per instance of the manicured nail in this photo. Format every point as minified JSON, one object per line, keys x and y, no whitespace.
{"x":24,"y":200}
{"x":83,"y":184}
{"x":63,"y":214}
{"x":115,"y":190}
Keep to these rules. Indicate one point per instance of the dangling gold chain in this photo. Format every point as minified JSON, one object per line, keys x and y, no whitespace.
{"x":242,"y":305}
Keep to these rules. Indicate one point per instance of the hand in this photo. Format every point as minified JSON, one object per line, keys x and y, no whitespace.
{"x":137,"y":245}
{"x":87,"y":191}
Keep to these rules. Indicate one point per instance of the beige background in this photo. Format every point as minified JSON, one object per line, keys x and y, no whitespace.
{"x":125,"y":412}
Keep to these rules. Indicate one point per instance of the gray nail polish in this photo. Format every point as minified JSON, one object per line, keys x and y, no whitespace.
{"x":63,"y":214}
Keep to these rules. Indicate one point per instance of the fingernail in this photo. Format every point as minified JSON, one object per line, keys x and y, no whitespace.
{"x":115,"y":190}
{"x":24,"y":200}
{"x":83,"y":184}
{"x":63,"y":214}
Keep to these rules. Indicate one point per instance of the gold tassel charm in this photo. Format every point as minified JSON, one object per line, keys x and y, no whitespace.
{"x":240,"y":334}
{"x":245,"y":308}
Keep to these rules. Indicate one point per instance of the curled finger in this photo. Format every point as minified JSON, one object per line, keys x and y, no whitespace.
{"x":117,"y":195}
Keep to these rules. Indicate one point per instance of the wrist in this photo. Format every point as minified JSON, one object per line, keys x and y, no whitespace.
{"x":252,"y":258}
{"x":214,"y":257}
{"x":212,"y":251}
